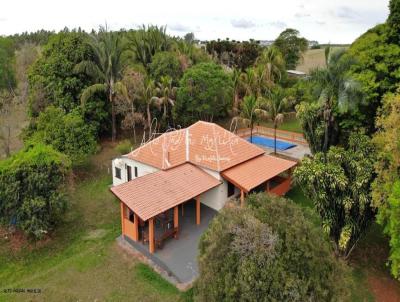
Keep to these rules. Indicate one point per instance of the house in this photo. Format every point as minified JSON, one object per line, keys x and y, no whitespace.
{"x":203,"y":164}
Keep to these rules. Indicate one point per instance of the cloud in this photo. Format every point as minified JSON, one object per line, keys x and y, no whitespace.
{"x":347,"y":13}
{"x":302,"y":15}
{"x":278,"y":24}
{"x":180,"y":27}
{"x":242,"y":23}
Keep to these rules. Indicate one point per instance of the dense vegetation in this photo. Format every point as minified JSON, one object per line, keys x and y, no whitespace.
{"x":30,"y":189}
{"x":251,"y":254}
{"x":82,"y":87}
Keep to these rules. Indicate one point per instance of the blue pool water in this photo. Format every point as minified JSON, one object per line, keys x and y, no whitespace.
{"x":269,"y":142}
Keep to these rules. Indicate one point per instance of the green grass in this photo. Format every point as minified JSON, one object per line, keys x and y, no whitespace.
{"x":82,"y":261}
{"x":368,"y":258}
{"x":288,"y":125}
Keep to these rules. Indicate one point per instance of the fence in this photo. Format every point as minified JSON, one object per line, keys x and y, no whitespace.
{"x":280,"y":134}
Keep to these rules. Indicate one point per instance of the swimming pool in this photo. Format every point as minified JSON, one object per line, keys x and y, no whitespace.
{"x":269,"y":142}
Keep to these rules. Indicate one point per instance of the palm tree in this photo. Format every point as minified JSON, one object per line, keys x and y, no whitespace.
{"x":237,"y":84}
{"x":335,"y":88}
{"x":105,"y":68}
{"x":272,"y":64}
{"x":276,"y":104}
{"x":148,"y":98}
{"x":167,"y":95}
{"x":251,"y":112}
{"x":253,"y":81}
{"x":146,"y":41}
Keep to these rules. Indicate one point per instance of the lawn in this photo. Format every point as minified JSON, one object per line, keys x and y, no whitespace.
{"x":81,"y":262}
{"x":288,"y":125}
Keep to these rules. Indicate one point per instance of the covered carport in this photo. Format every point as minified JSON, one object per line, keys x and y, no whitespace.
{"x":272,"y":172}
{"x":152,"y":197}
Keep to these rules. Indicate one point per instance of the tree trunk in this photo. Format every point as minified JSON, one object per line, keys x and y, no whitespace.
{"x":113,"y":120}
{"x":148,"y":116}
{"x":275,"y":126}
{"x":7,"y":142}
{"x":235,"y":104}
{"x":251,"y":132}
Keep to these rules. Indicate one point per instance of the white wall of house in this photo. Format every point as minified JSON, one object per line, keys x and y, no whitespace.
{"x":214,"y":198}
{"x":122,"y":163}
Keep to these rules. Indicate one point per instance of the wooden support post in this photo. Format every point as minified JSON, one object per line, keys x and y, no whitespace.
{"x":182,"y":210}
{"x":242,"y":198}
{"x":122,"y":218}
{"x":151,"y":235}
{"x":198,"y":210}
{"x":176,"y":219}
{"x":135,"y":227}
{"x":267,"y":187}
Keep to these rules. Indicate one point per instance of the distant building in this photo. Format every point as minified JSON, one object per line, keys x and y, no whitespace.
{"x":266,"y":43}
{"x":296,"y":73}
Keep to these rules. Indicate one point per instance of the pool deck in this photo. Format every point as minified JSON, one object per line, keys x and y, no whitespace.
{"x":297,"y":153}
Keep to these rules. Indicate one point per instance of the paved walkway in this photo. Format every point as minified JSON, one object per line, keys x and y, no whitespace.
{"x":179,"y":256}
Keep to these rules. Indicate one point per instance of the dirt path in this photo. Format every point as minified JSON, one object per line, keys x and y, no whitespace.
{"x":384,"y":288}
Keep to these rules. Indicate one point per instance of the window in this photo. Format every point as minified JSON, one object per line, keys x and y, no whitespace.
{"x":136,"y":172}
{"x":128,"y":173}
{"x":231,"y":189}
{"x":118,"y":173}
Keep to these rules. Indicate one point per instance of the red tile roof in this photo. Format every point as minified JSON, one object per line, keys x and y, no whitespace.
{"x":152,"y":194}
{"x":256,"y":171}
{"x":204,"y":144}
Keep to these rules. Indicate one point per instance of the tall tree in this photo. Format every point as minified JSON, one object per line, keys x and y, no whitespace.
{"x":105,"y":69}
{"x":393,"y":21}
{"x":52,"y":79}
{"x":273,"y":65}
{"x":292,"y":46}
{"x":251,"y":112}
{"x":237,"y":85}
{"x":147,"y":41}
{"x":276,"y":104}
{"x":147,"y":96}
{"x":339,"y":183}
{"x":387,"y":141}
{"x":167,"y":96}
{"x":335,"y":90}
{"x":205,"y":92}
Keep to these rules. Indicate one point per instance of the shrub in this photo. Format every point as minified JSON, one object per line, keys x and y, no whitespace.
{"x":269,"y":251}
{"x":31,"y":195}
{"x":67,"y":133}
{"x":124,"y":147}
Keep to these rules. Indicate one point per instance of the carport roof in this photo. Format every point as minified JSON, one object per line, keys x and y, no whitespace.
{"x":155,"y":193}
{"x":256,"y":171}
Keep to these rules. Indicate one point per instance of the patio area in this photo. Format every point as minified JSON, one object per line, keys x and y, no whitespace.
{"x":178,"y":257}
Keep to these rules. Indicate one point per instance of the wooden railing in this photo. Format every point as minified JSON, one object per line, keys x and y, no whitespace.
{"x":280,"y":134}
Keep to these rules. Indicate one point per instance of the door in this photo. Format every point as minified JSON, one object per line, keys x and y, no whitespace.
{"x":129,"y":173}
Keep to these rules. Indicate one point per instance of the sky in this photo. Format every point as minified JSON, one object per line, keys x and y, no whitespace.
{"x":339,"y":21}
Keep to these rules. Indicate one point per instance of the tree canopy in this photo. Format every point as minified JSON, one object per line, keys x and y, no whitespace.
{"x":205,"y":92}
{"x":67,"y":133}
{"x":31,"y":189}
{"x":338,"y":183}
{"x":52,"y":78}
{"x":292,"y":46}
{"x":269,"y":251}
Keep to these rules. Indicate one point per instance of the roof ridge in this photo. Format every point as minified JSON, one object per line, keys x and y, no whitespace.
{"x":216,"y":150}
